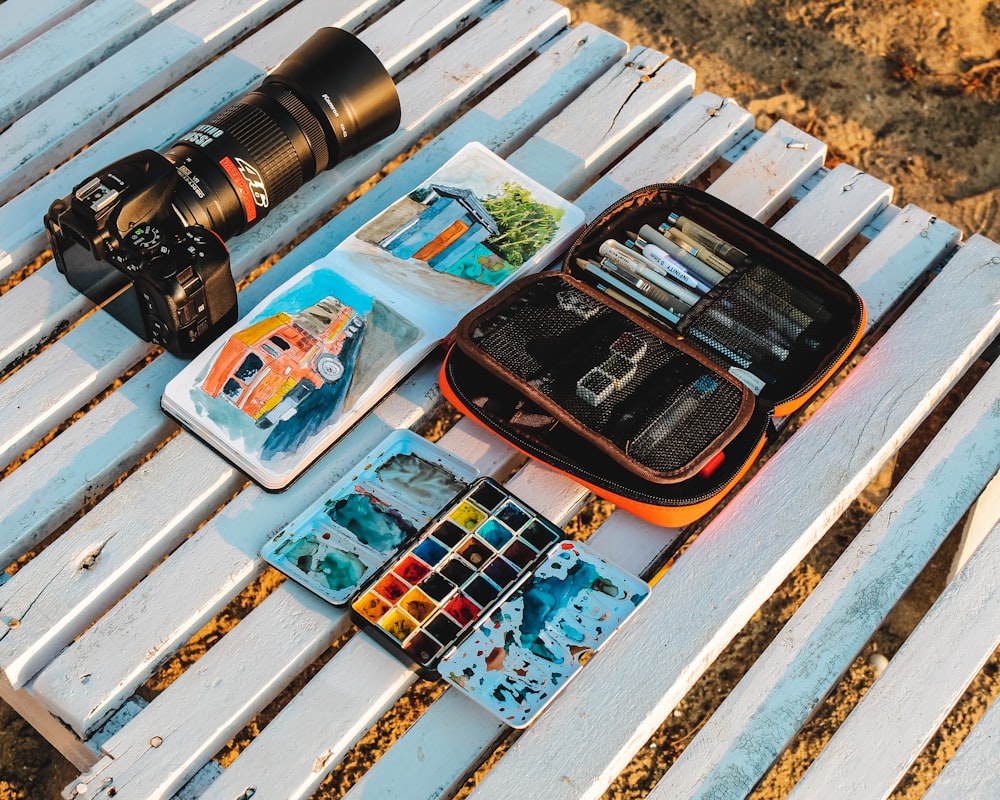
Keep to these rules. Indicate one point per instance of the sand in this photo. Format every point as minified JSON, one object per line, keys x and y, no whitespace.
{"x":907,"y":90}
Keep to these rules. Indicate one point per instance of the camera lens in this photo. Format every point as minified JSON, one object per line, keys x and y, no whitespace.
{"x":329,"y":99}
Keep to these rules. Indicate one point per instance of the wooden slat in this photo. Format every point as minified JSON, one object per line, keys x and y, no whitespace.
{"x":978,"y":524}
{"x":216,"y":715}
{"x":972,"y":774}
{"x":58,"y":481}
{"x":605,"y":133}
{"x":120,"y":84}
{"x":664,"y":93}
{"x":799,"y":224}
{"x":44,"y":394}
{"x":635,"y":543}
{"x":204,"y":462}
{"x":623,"y":538}
{"x":43,"y":493}
{"x":433,"y":760}
{"x":73,"y":749}
{"x":503,"y":121}
{"x":749,"y":548}
{"x":923,"y":681}
{"x":786,"y":683}
{"x":162,"y":732}
{"x":23,"y":20}
{"x":739,"y":559}
{"x":80,"y":575}
{"x":99,"y":356}
{"x":277,"y":761}
{"x":142,"y":632}
{"x":55,"y":58}
{"x":892,"y":264}
{"x":42,"y":311}
{"x":766,"y":175}
{"x":684,"y":146}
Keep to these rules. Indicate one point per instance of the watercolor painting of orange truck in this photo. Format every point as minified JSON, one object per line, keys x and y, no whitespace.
{"x":268,"y":369}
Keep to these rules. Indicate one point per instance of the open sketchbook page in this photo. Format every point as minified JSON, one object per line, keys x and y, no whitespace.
{"x":309,"y":360}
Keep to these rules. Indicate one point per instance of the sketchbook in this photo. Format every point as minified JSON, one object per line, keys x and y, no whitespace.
{"x":295,"y":373}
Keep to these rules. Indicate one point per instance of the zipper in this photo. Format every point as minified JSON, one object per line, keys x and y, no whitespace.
{"x":621,"y":201}
{"x":841,"y":353}
{"x":570,"y":467}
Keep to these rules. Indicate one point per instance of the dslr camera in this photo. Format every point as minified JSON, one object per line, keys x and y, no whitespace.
{"x":145,"y":237}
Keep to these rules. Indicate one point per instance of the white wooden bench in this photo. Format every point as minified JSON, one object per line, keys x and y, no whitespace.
{"x":140,"y":551}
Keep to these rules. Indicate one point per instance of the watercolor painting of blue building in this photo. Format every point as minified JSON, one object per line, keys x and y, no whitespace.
{"x":449,"y":235}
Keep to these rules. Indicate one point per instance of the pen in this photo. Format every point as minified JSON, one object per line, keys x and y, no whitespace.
{"x":704,"y":272}
{"x":751,"y":337}
{"x":668,"y":265}
{"x":623,"y":257}
{"x":663,"y":306}
{"x":775,"y":293}
{"x":720,"y":265}
{"x":651,"y":290}
{"x":714,"y":243}
{"x":673,"y":416}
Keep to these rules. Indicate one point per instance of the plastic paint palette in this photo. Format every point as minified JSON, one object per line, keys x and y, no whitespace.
{"x":347,"y":534}
{"x":519,"y":658}
{"x":490,"y":594}
{"x":460,"y":568}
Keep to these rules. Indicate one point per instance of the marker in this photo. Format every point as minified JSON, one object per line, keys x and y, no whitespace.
{"x":620,"y":255}
{"x":694,"y":247}
{"x":753,"y":339}
{"x":649,"y":234}
{"x":637,"y":289}
{"x":663,"y":305}
{"x":671,"y":267}
{"x":684,"y":404}
{"x":736,"y":356}
{"x":782,"y":316}
{"x":651,"y":290}
{"x":715,"y":244}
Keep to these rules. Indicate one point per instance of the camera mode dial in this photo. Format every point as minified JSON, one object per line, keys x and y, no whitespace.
{"x":143,"y":246}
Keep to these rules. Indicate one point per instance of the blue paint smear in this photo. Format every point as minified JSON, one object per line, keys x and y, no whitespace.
{"x":372,"y":523}
{"x":340,"y":569}
{"x":544,"y":597}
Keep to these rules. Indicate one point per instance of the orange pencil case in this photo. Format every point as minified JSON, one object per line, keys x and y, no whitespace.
{"x":652,"y":401}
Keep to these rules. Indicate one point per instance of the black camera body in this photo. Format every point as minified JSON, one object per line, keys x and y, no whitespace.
{"x":184,"y":293}
{"x":144,"y":237}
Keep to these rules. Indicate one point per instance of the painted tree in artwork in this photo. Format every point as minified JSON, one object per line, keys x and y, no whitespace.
{"x":526,"y":225}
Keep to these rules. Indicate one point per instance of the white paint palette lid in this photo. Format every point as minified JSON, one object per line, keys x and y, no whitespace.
{"x":365,"y":518}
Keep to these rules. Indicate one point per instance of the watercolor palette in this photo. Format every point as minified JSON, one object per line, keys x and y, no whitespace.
{"x":469,"y":558}
{"x":348,"y":533}
{"x":516,"y":661}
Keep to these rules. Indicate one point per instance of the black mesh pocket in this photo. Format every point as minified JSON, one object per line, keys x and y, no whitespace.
{"x":761,"y":322}
{"x":656,"y":405}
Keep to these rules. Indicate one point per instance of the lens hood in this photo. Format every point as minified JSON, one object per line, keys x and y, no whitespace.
{"x":345,"y":85}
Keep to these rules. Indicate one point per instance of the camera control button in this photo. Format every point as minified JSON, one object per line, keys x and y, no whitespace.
{"x":159,"y":332}
{"x":162,"y":262}
{"x":127,"y":262}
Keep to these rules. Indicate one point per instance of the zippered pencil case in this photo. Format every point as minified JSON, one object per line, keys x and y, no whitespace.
{"x":650,"y":366}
